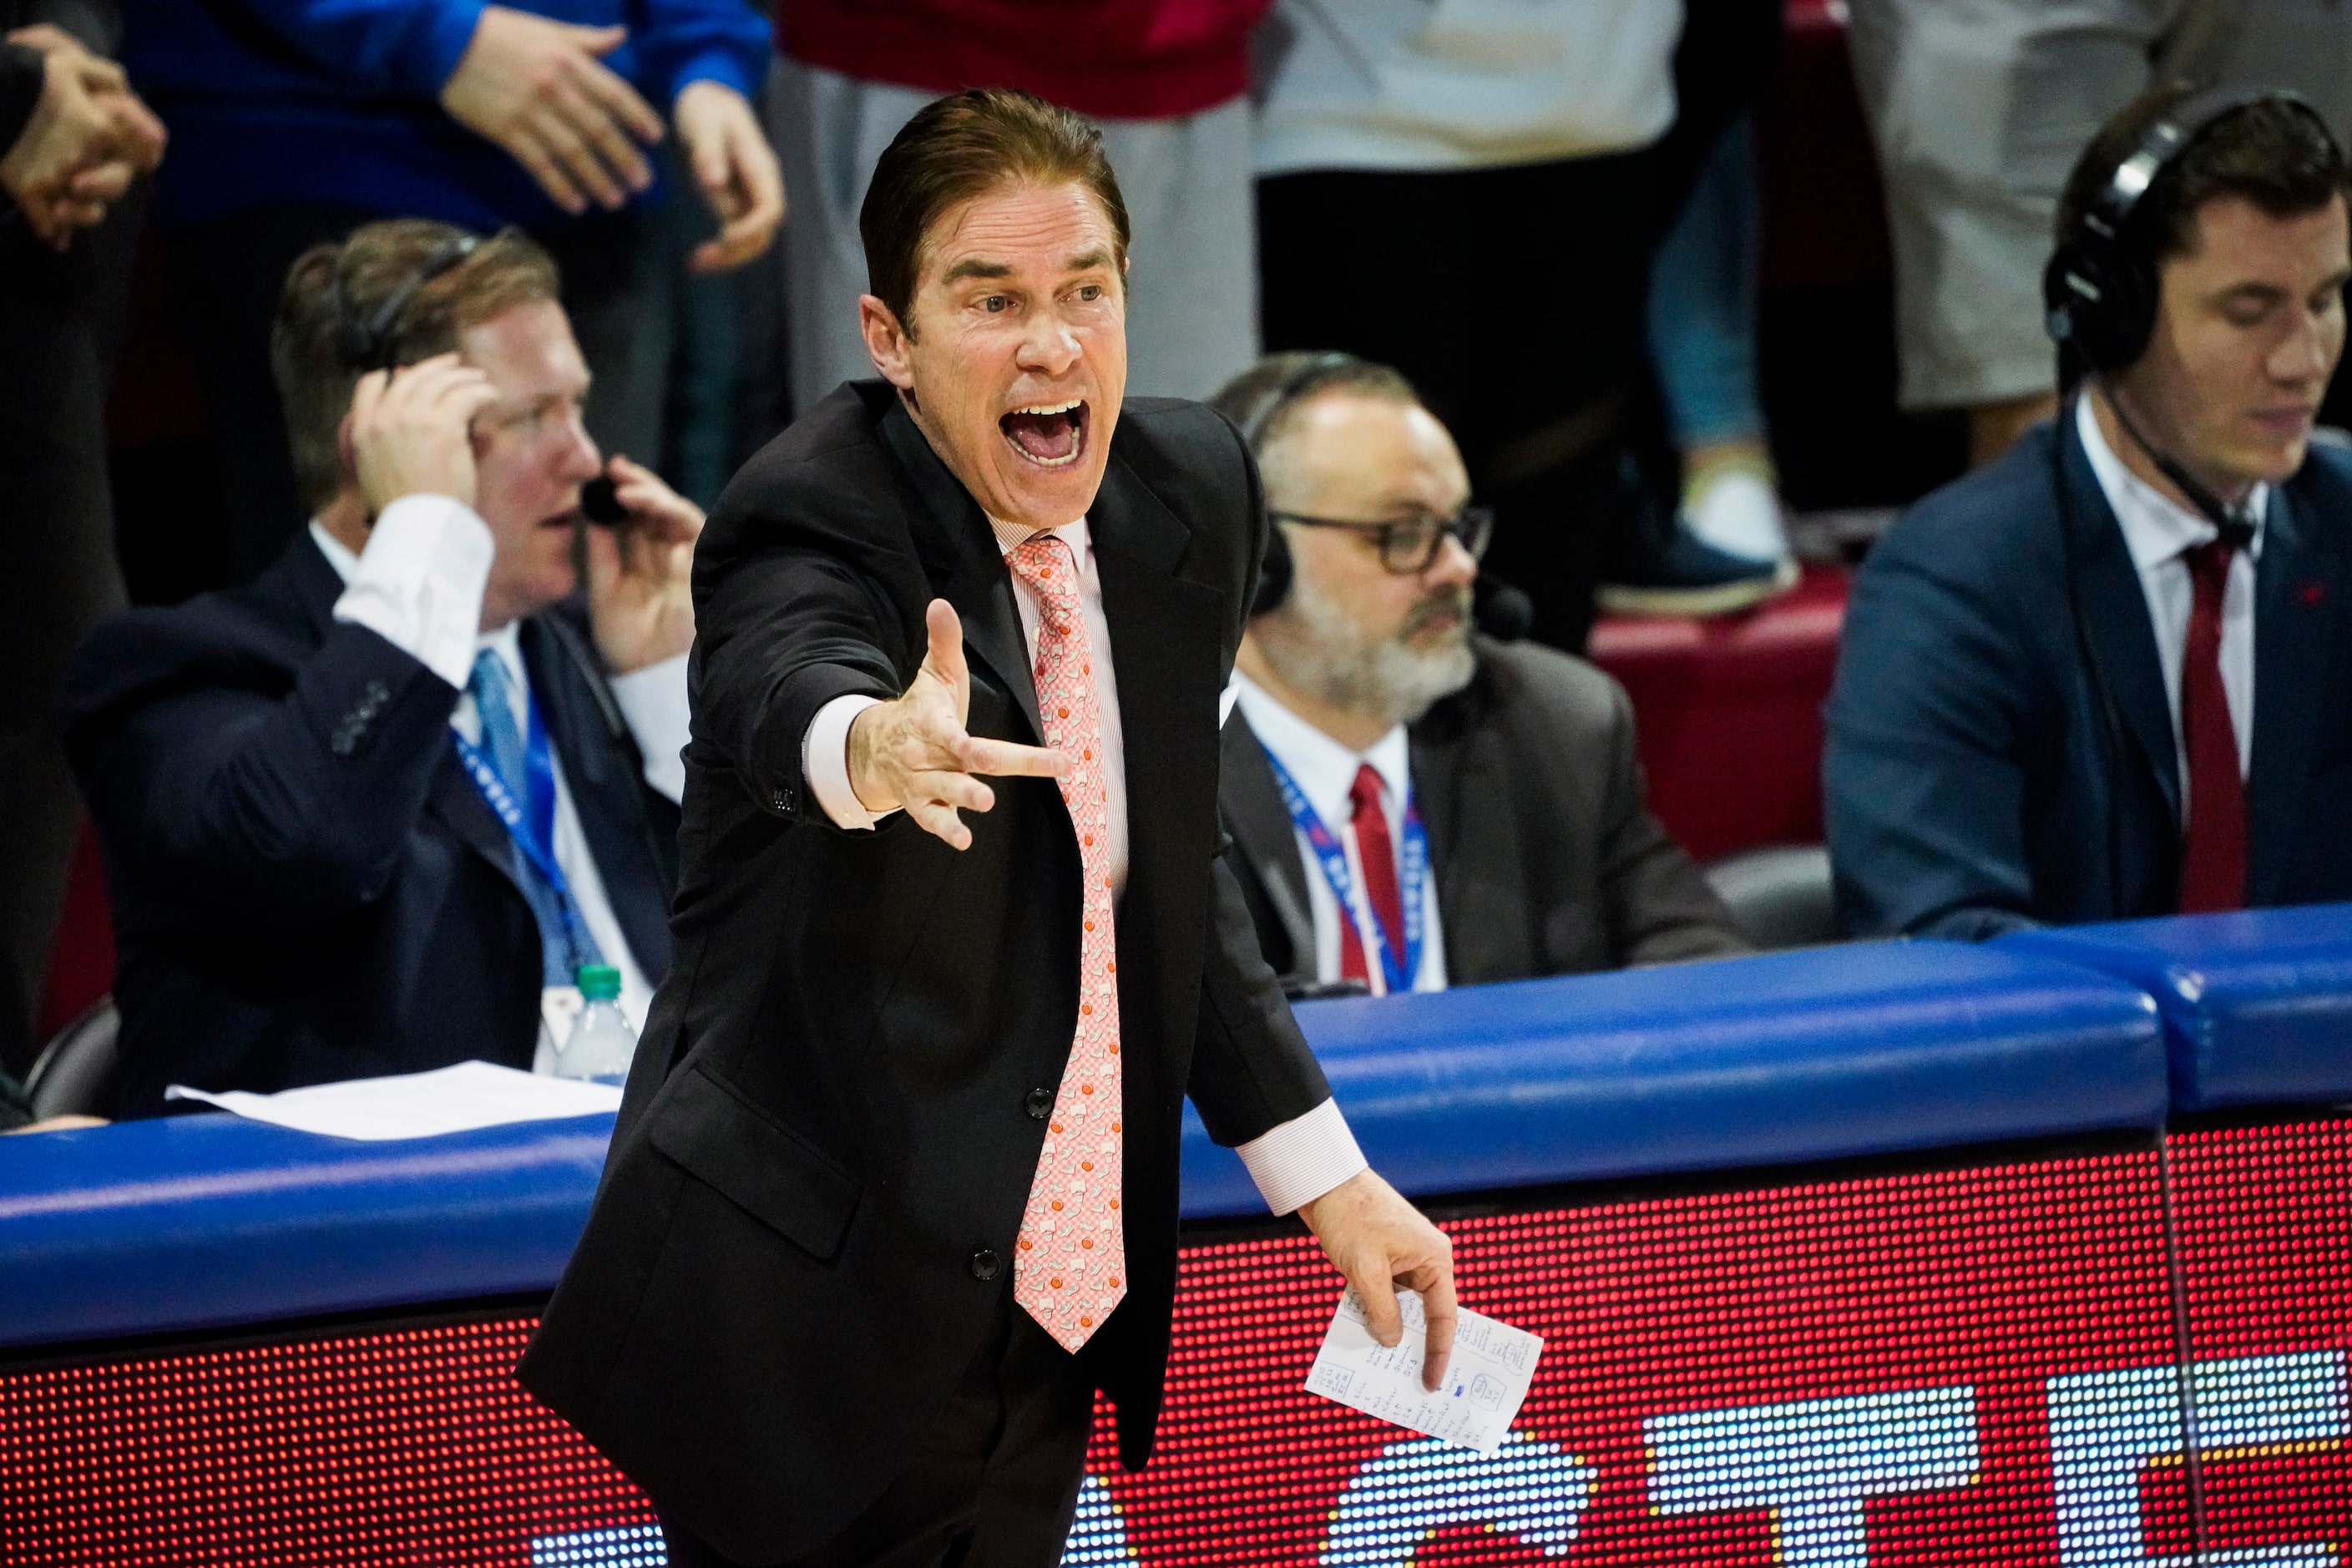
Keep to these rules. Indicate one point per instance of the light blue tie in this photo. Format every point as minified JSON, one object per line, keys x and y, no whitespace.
{"x":564,"y":940}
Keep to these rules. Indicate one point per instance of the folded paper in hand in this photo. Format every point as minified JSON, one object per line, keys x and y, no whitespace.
{"x":416,"y":1105}
{"x":1486,"y":1381}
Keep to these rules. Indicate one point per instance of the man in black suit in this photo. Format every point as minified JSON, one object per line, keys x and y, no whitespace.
{"x":894,"y":1190}
{"x":368,"y":814}
{"x":2106,"y":676}
{"x":1413,"y":806}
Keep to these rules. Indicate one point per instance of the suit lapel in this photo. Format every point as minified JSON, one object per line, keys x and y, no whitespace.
{"x":958,"y":551}
{"x":2115,"y":611}
{"x":1252,"y":803}
{"x":603,"y":776}
{"x":1166,"y":656}
{"x":1474,"y":855}
{"x":2298,"y":592}
{"x":462,"y":810}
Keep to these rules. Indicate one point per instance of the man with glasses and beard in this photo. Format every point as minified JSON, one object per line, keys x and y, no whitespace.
{"x":1412,"y":804}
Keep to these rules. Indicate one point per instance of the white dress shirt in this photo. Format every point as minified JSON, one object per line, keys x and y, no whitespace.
{"x":419,"y":585}
{"x":1293,"y":1164}
{"x":2158,"y":530}
{"x":1324,"y":773}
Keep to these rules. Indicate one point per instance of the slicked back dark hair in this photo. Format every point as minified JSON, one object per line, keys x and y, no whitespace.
{"x":2276,"y":153}
{"x":966,"y":146}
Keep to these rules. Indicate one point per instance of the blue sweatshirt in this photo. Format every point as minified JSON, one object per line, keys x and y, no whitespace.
{"x":338,"y":101}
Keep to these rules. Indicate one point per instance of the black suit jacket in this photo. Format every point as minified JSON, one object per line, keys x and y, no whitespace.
{"x":1546,"y":858}
{"x":1972,"y":786}
{"x":809,"y":1215}
{"x":306,"y":885}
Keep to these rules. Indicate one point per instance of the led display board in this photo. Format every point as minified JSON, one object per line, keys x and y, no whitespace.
{"x":2111,"y":1359}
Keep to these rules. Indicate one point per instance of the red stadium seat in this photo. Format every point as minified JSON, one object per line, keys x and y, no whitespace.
{"x":1731,"y":713}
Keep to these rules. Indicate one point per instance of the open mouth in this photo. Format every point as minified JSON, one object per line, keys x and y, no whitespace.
{"x":1050,"y":435}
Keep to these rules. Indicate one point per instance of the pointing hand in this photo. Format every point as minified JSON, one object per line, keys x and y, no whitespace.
{"x":914,"y":753}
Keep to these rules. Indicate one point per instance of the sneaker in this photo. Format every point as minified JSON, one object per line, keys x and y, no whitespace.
{"x":1723,"y":550}
{"x":1733,"y":508}
{"x":1687,"y":577}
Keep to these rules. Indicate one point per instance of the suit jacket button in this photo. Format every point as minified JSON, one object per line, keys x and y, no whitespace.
{"x":1039,"y":1104}
{"x":985,"y":1263}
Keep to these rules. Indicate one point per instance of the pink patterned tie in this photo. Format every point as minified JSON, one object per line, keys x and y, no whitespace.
{"x":1072,"y":1268}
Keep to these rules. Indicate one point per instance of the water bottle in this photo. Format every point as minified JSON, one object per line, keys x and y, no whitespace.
{"x":601,"y":1043}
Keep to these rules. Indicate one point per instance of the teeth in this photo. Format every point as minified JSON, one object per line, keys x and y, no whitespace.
{"x":1050,"y":408}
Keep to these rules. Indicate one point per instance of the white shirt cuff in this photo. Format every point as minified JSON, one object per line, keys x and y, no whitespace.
{"x":653,"y":700}
{"x":824,"y":762}
{"x":420,"y":581}
{"x":1298,"y":1162}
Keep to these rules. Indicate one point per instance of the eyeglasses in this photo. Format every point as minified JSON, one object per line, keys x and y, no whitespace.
{"x":1407,"y":548}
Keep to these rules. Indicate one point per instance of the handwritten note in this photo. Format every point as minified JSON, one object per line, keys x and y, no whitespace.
{"x":1486,"y":1381}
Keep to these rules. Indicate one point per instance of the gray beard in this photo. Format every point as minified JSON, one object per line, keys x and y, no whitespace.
{"x":1329,"y":656}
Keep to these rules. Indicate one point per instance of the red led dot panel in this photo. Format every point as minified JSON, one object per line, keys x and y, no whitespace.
{"x":413,"y":1446}
{"x":1966,"y":1367}
{"x":2265,"y":1219}
{"x":1723,"y":1376}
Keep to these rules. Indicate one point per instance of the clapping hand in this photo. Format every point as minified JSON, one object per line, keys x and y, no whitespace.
{"x":914,"y":753}
{"x":88,"y":137}
{"x":640,"y":571}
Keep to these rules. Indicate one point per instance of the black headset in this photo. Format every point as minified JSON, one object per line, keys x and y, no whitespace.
{"x":2100,"y":293}
{"x":370,"y":342}
{"x":1275,"y":571}
{"x":1502,"y":612}
{"x":2100,"y":288}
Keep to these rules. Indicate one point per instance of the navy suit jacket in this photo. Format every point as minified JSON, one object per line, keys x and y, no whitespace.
{"x":1972,"y":786}
{"x":306,"y":885}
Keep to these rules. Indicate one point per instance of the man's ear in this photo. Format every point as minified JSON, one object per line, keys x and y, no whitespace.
{"x":886,"y":342}
{"x":346,"y":450}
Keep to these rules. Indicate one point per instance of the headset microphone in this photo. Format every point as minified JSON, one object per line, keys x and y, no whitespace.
{"x":373,"y":343}
{"x":2100,"y":293}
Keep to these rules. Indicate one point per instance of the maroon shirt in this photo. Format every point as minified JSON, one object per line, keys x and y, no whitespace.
{"x":1113,"y":59}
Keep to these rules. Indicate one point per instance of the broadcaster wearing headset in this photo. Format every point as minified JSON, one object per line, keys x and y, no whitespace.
{"x":298,"y":784}
{"x":2105,"y":677}
{"x":1415,"y":805}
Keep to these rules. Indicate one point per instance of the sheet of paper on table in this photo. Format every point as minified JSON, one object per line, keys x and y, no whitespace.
{"x":416,"y":1105}
{"x":1486,"y":1381}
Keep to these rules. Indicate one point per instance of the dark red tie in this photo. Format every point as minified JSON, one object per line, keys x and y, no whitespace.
{"x":2213,"y":847}
{"x":1376,"y":855}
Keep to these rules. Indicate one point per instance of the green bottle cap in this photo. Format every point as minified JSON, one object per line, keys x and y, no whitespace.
{"x":599,"y":983}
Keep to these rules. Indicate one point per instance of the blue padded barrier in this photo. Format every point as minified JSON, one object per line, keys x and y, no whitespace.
{"x":2257,"y":1006}
{"x":203,"y":1221}
{"x":1782,"y":1058}
{"x":194,"y":1222}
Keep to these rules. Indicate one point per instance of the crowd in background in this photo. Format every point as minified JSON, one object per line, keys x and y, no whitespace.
{"x":1543,"y":219}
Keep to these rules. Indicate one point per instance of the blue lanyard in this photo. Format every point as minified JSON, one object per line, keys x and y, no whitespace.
{"x":1411,"y":874}
{"x":531,"y":829}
